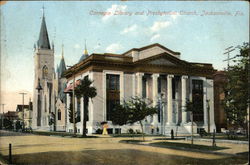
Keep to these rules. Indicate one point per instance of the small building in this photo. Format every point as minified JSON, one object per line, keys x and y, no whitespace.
{"x":25,"y":114}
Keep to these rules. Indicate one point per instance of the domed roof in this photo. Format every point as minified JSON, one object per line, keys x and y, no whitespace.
{"x":85,"y":54}
{"x":83,"y":57}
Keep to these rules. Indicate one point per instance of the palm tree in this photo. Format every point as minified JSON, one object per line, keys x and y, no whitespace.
{"x":86,"y":91}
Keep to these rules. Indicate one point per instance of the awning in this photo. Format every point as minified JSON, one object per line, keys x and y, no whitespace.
{"x":69,"y":87}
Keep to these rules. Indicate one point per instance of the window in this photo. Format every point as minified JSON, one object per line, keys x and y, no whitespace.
{"x":197,"y":97}
{"x":173,"y":88}
{"x":112,"y":93}
{"x":45,"y":71}
{"x":45,"y":103}
{"x":159,"y":112}
{"x":78,"y":110}
{"x":113,"y":82}
{"x":144,"y":87}
{"x":159,"y":84}
{"x":59,"y":114}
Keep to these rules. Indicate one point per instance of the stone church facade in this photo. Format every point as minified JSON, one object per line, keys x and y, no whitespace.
{"x":153,"y":72}
{"x":48,"y":96}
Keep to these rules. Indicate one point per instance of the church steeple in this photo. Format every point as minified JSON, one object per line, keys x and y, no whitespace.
{"x":43,"y":41}
{"x":62,"y":65}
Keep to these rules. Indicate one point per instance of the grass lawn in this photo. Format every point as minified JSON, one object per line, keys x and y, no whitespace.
{"x":47,"y":133}
{"x":132,"y":135}
{"x":186,"y":146}
{"x":225,"y":137}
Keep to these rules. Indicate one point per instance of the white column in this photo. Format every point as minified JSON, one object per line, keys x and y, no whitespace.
{"x":104,"y":95}
{"x":139,"y":84}
{"x":170,"y":100}
{"x":122,"y":92}
{"x":134,"y":86}
{"x":155,"y":95}
{"x":184,"y":98}
{"x":67,"y":113}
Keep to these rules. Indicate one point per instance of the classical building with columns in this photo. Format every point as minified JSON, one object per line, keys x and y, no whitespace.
{"x":153,"y":72}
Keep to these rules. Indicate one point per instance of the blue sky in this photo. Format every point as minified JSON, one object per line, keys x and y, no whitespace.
{"x":184,"y":28}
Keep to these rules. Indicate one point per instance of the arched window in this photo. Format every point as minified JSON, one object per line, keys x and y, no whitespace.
{"x":59,"y":114}
{"x":45,"y":71}
{"x":45,"y":104}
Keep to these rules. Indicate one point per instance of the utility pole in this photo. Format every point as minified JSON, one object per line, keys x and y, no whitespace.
{"x":23,"y":108}
{"x":2,"y":114}
{"x":228,"y":50}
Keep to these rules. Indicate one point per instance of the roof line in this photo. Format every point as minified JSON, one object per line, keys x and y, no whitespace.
{"x":152,"y":45}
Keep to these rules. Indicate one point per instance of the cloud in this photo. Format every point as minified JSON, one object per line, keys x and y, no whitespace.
{"x":174,"y":16}
{"x":76,"y":46}
{"x":129,"y":29}
{"x":113,"y":48}
{"x":158,"y":25}
{"x":154,"y":37}
{"x":112,"y":10}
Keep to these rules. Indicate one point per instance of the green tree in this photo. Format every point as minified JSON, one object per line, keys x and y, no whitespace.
{"x":120,"y":115}
{"x":8,"y":124}
{"x":134,"y":110}
{"x":236,"y":89}
{"x":192,"y":107}
{"x":86,"y":91}
{"x":77,"y":118}
{"x":18,"y":125}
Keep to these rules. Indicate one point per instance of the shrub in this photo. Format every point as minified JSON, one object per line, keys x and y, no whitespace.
{"x":130,"y":131}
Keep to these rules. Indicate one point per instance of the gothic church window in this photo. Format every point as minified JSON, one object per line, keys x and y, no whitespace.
{"x":45,"y":71}
{"x":59,"y":114}
{"x":45,"y":103}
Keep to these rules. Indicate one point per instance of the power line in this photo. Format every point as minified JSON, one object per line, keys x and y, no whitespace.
{"x":228,"y":50}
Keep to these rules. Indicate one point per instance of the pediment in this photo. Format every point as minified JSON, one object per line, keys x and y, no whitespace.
{"x":161,"y":61}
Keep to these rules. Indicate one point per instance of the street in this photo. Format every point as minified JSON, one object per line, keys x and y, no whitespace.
{"x":34,"y":149}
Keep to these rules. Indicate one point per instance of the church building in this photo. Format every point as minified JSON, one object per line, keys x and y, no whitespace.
{"x":48,"y":96}
{"x":153,"y":72}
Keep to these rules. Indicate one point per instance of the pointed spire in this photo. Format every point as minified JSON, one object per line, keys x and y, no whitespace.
{"x":62,"y":65}
{"x":43,"y":41}
{"x":62,"y":52}
{"x":43,"y":10}
{"x":85,"y":49}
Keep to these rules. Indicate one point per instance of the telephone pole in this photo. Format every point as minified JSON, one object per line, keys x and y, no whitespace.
{"x":23,"y":108}
{"x":2,"y":114}
{"x":228,"y":50}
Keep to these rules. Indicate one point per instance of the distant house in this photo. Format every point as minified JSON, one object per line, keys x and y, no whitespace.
{"x":27,"y":115}
{"x":11,"y":115}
